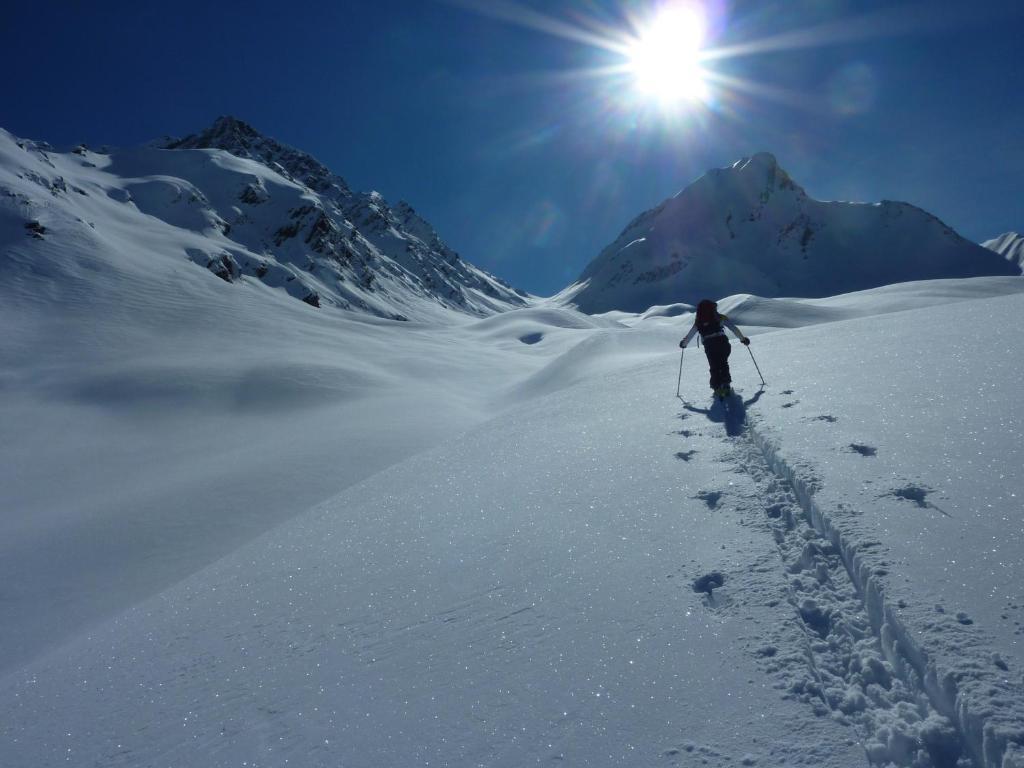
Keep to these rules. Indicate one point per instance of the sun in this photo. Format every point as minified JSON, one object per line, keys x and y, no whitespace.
{"x":665,"y":57}
{"x":662,"y":58}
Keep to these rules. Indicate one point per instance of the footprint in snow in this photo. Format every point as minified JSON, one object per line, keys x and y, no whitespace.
{"x":829,"y":419}
{"x":790,"y":405}
{"x":919,"y":496}
{"x":711,"y":498}
{"x":709,"y":582}
{"x":863,"y":450}
{"x":685,"y":455}
{"x":707,"y":585}
{"x":913,"y":493}
{"x":690,"y":749}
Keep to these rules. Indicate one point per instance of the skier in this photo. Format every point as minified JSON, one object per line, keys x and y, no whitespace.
{"x":708,"y":323}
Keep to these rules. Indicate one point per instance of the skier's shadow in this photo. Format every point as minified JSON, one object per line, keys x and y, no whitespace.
{"x":732,"y":411}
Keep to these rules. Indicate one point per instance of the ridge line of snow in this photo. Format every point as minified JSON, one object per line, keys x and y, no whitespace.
{"x":974,"y":712}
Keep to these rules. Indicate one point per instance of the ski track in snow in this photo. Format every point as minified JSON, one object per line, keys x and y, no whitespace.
{"x":846,"y":674}
{"x":858,"y":664}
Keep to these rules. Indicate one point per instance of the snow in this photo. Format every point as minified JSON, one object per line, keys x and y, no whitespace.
{"x":751,"y":228}
{"x":924,"y":456}
{"x":1010,"y":245}
{"x":270,"y":215}
{"x":465,"y":607}
{"x":530,"y":588}
{"x":163,"y":416}
{"x":238,"y":530}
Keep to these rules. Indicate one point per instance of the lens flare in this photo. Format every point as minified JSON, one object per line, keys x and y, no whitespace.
{"x":852,"y":90}
{"x":663,"y":62}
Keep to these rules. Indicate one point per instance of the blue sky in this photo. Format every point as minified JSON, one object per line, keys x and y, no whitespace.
{"x":483,"y":122}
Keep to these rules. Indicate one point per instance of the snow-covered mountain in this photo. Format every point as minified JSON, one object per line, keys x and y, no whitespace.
{"x":1009,"y":245}
{"x":750,"y":228}
{"x":235,"y":529}
{"x":242,"y":206}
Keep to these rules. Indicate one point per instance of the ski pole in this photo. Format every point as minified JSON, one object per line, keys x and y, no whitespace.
{"x":756,"y":366}
{"x":680,"y":382}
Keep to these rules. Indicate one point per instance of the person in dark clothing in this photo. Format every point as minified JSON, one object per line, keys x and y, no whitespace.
{"x":711,"y":327}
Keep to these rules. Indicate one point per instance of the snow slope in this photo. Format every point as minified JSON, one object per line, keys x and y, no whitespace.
{"x":153,"y":435}
{"x":582,"y":569}
{"x":913,"y":474}
{"x":244,"y":207}
{"x":1009,"y":245}
{"x":751,"y":229}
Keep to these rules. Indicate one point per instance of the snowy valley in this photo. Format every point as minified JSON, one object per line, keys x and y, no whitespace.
{"x":428,"y":519}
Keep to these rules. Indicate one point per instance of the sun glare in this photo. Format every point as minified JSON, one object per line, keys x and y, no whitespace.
{"x":665,"y":57}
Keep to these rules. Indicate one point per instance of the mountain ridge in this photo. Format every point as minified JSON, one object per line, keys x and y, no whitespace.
{"x":750,"y":228}
{"x":1009,"y":245}
{"x":247,"y":207}
{"x":242,"y":140}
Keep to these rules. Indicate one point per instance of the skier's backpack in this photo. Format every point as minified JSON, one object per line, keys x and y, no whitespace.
{"x":707,"y":321}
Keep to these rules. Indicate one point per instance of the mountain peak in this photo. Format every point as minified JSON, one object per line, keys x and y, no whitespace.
{"x":229,"y":125}
{"x":1009,"y":245}
{"x":226,"y":132}
{"x":758,"y":176}
{"x":749,"y":228}
{"x":236,"y":136}
{"x":763,"y":171}
{"x":764,"y":160}
{"x":276,"y":216}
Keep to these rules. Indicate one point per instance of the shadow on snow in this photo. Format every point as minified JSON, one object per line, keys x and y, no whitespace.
{"x":732,"y":411}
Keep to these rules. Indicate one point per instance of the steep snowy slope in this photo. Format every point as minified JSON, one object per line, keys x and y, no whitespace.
{"x":1009,"y":245}
{"x":247,"y":209}
{"x":751,"y":229}
{"x":823,"y":573}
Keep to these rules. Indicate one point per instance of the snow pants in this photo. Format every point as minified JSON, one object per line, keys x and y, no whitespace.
{"x":717,"y":349}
